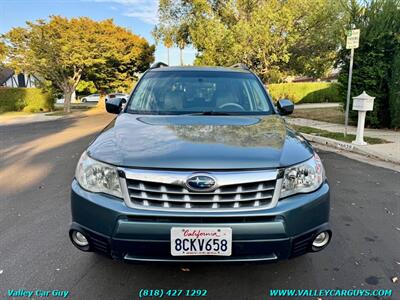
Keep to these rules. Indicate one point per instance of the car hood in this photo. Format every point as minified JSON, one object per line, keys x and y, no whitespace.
{"x":199,"y":142}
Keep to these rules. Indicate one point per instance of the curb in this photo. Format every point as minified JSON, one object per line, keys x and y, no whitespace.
{"x":348,"y":147}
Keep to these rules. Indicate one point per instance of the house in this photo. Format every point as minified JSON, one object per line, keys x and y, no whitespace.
{"x":8,"y":78}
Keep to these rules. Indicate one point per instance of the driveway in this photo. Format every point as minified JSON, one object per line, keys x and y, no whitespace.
{"x":37,"y":164}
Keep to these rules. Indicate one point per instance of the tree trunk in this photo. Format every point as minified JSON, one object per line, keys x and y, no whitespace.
{"x":102,"y":100}
{"x":68,"y":86}
{"x":181,"y":55}
{"x":67,"y":100}
{"x":168,"y":56}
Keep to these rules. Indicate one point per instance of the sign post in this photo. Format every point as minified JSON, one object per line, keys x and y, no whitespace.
{"x":352,"y":42}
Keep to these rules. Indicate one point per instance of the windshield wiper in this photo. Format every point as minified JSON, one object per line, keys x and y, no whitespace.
{"x":211,"y":113}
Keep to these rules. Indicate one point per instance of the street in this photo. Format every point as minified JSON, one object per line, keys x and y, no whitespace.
{"x":37,"y":163}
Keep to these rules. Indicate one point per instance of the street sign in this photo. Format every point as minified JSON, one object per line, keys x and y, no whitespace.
{"x":353,"y":39}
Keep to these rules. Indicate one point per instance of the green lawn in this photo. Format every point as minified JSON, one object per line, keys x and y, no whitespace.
{"x":305,"y":92}
{"x":337,"y":135}
{"x":329,"y":114}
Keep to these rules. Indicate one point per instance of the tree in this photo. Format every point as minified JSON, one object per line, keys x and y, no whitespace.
{"x":394,"y":88}
{"x":319,"y":35}
{"x":181,"y":39}
{"x":173,"y":27}
{"x":86,"y":87}
{"x":3,"y":51}
{"x":64,"y":51}
{"x":164,"y":35}
{"x":270,"y":36}
{"x":127,"y":55}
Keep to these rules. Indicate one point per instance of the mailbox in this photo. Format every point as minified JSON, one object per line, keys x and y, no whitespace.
{"x":363,"y":102}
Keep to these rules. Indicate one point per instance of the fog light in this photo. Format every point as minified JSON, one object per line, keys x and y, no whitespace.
{"x":79,"y":239}
{"x":321,"y":240}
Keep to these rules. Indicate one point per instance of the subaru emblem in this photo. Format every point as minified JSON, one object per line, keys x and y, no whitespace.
{"x":201,"y":182}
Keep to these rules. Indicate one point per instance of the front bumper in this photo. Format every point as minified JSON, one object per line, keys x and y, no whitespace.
{"x":284,"y":231}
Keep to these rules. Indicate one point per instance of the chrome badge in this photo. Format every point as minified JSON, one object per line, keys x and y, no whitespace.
{"x":201,"y":182}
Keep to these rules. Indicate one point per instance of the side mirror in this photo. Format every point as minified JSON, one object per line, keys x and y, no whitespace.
{"x":114,"y":106}
{"x":285,"y":107}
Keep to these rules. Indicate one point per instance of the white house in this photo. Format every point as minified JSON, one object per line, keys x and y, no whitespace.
{"x":8,"y":78}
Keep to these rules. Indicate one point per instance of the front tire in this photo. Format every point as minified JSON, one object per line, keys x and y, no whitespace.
{"x":84,"y":100}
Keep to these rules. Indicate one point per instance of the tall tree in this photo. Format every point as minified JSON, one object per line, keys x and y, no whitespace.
{"x":165,"y":36}
{"x":292,"y":36}
{"x":174,"y":27}
{"x":65,"y":50}
{"x":319,"y":34}
{"x":181,"y":39}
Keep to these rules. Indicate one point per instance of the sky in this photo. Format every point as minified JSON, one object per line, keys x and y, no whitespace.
{"x":140,"y":16}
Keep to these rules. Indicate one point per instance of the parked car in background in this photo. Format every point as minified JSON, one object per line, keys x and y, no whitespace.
{"x":117,"y":95}
{"x":91,"y":98}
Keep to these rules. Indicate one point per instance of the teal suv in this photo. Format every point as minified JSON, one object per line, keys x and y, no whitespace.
{"x":199,"y":165}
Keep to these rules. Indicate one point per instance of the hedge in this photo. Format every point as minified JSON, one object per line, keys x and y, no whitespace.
{"x":25,"y":99}
{"x":305,"y":92}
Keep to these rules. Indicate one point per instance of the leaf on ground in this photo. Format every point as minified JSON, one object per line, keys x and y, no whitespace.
{"x":185,"y":269}
{"x":395,"y":279}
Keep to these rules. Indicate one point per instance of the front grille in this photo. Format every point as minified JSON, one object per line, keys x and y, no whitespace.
{"x":175,"y":196}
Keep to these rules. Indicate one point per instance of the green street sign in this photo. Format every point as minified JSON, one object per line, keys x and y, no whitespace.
{"x":353,"y":39}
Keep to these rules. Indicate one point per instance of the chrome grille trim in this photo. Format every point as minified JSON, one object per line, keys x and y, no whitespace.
{"x":166,"y":191}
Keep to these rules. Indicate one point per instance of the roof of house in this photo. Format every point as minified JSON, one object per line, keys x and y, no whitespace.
{"x":5,"y":74}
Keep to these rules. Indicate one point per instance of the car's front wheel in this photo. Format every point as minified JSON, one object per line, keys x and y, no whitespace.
{"x":84,"y":100}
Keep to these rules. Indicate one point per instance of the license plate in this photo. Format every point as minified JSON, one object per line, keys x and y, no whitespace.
{"x":192,"y":241}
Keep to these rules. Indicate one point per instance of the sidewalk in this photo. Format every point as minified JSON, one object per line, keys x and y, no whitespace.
{"x":43,"y":117}
{"x":316,"y":105}
{"x":387,"y":152}
{"x":29,"y":118}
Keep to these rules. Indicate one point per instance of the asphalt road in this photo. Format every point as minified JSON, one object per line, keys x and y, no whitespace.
{"x":37,"y":164}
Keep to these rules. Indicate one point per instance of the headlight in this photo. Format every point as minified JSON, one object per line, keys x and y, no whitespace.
{"x":303,"y":178}
{"x":97,"y":177}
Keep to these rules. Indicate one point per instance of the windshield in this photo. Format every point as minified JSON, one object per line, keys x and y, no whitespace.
{"x":199,"y":92}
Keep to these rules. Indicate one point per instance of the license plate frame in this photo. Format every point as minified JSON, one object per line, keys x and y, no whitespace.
{"x":201,"y":241}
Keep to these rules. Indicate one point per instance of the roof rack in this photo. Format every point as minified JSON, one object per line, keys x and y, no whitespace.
{"x":240,"y":66}
{"x":158,"y":65}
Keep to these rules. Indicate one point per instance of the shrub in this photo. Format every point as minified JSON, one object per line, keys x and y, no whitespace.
{"x":25,"y":99}
{"x":305,"y":92}
{"x":394,"y":96}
